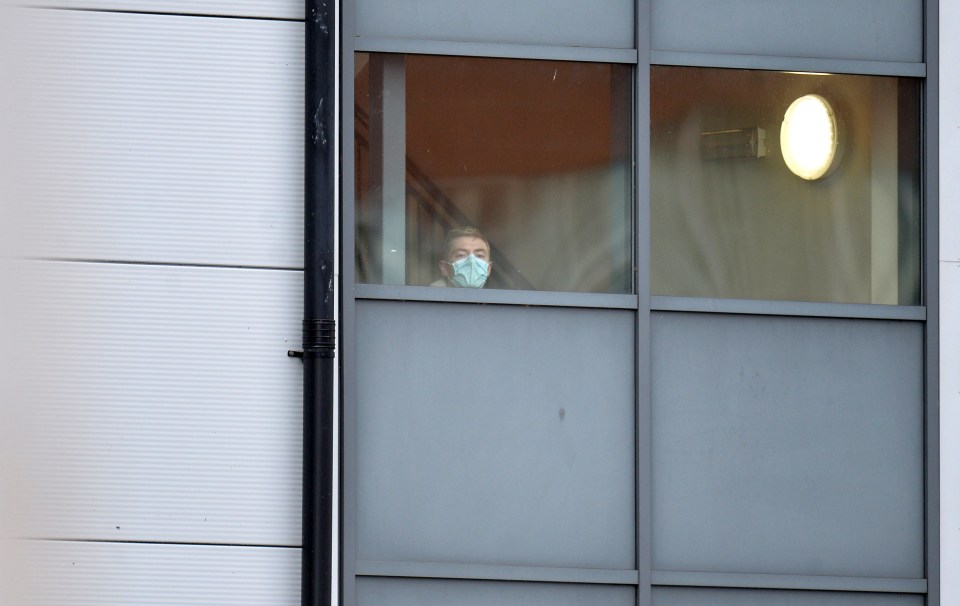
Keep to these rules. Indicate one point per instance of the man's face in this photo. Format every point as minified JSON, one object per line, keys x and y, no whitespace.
{"x":463,"y":247}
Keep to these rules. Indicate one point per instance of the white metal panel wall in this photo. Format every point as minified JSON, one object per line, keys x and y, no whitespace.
{"x":98,"y":574}
{"x":167,"y":139}
{"x":949,"y":302}
{"x":277,"y":9}
{"x":172,"y":412}
{"x":164,"y":222}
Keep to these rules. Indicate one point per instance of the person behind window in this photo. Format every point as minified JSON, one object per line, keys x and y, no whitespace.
{"x":465,"y":260}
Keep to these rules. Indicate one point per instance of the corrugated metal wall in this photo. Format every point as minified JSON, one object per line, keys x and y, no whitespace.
{"x":162,"y":231}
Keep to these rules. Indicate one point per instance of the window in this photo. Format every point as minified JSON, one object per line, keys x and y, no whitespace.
{"x":534,"y":154}
{"x":730,"y":220}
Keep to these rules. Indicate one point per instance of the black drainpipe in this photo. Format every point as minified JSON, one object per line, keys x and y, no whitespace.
{"x":319,"y":323}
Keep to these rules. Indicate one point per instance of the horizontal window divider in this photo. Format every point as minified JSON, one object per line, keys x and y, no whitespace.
{"x":496,"y":297}
{"x":665,"y":578}
{"x":489,"y":572}
{"x":800,"y":64}
{"x":495,"y":49}
{"x":789,"y":308}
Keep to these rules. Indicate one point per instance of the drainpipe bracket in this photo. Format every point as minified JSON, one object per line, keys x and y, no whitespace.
{"x":319,"y":339}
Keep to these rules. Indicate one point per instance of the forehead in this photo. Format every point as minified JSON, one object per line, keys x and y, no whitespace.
{"x":469,"y":244}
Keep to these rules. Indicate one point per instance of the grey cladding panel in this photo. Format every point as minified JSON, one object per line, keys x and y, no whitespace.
{"x":787,"y":445}
{"x":421,"y":592}
{"x":497,"y":435}
{"x":600,"y":24}
{"x":675,"y":596}
{"x":878,"y":30}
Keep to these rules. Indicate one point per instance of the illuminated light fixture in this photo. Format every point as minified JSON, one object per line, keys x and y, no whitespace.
{"x":809,"y":137}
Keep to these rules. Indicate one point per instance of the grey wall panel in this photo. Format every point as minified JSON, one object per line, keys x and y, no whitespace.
{"x":116,"y":574}
{"x":421,"y":592}
{"x":675,"y":596}
{"x":878,"y":30}
{"x":787,"y":445}
{"x":500,"y":435}
{"x":277,"y":9}
{"x":602,"y":23}
{"x":164,"y":406}
{"x":166,"y":139}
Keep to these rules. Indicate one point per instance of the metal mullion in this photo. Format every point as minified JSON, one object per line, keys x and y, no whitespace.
{"x":800,"y":64}
{"x":488,"y":572}
{"x":495,"y":297}
{"x":931,"y":292}
{"x":801,"y":309}
{"x":491,"y":49}
{"x":644,"y":391}
{"x":348,"y":309}
{"x":663,"y":578}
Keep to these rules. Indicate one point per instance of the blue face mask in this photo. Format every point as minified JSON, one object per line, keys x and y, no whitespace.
{"x":470,"y":272}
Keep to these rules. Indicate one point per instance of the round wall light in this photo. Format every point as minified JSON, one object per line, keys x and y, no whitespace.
{"x":809,"y":137}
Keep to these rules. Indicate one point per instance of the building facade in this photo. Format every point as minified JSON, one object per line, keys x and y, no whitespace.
{"x":159,"y":247}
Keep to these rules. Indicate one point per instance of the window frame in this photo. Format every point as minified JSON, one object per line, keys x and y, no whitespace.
{"x":644,"y":578}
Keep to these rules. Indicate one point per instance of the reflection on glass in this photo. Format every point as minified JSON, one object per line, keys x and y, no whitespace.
{"x":533,"y":155}
{"x":730,"y":220}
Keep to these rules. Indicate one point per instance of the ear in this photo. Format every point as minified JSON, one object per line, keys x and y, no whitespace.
{"x":444,"y":269}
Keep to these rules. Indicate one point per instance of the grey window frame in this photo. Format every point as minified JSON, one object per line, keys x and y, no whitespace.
{"x":644,"y":578}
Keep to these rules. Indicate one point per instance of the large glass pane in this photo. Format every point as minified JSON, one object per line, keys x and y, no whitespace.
{"x":729,"y":218}
{"x":535,"y":155}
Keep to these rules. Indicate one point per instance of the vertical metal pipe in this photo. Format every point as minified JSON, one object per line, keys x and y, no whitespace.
{"x":319,"y":323}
